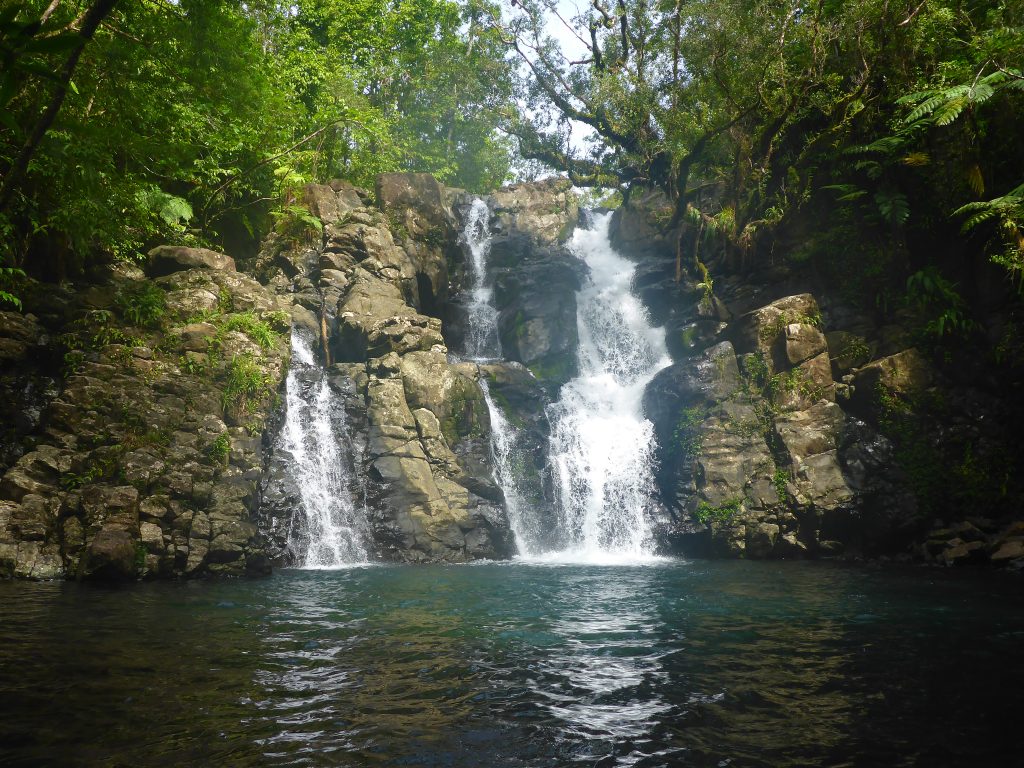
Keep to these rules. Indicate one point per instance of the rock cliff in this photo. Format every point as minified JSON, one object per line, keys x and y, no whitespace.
{"x":793,"y":424}
{"x":145,"y":459}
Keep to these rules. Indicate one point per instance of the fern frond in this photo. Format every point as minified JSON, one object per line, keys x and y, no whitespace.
{"x":975,"y":180}
{"x":916,"y":159}
{"x":950,"y":111}
{"x":925,"y":108}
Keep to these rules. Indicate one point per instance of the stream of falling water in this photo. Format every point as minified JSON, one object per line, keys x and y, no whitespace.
{"x":483,"y":345}
{"x":601,"y":446}
{"x":330,"y":529}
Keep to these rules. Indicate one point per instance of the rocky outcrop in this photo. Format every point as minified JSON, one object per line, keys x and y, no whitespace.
{"x":793,"y":427}
{"x":535,"y":278}
{"x":148,"y":459}
{"x":546,"y":211}
{"x":535,"y":294}
{"x":374,"y":288}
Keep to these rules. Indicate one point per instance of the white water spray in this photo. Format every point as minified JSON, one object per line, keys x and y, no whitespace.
{"x":602,"y":447}
{"x":330,"y":529}
{"x":483,"y":345}
{"x":482,"y":341}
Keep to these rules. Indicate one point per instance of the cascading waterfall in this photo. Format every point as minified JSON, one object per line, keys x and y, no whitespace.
{"x":602,"y":447}
{"x":483,"y":345}
{"x":482,"y":341}
{"x":330,"y":529}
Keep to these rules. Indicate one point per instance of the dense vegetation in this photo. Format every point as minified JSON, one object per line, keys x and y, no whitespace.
{"x":126,"y":123}
{"x":873,"y":141}
{"x":877,"y":139}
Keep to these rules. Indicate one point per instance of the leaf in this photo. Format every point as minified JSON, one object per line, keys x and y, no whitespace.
{"x":916,"y":159}
{"x":848,"y":192}
{"x":975,"y":180}
{"x":893,"y":206}
{"x":65,"y":41}
{"x":950,"y":111}
{"x":926,"y":107}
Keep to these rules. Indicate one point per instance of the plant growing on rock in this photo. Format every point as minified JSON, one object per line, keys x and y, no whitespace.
{"x":707,"y":513}
{"x":252,"y":326}
{"x":246,"y":384}
{"x":220,"y":449}
{"x":143,"y":304}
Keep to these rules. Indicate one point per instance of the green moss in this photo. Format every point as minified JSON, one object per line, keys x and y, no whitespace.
{"x":688,"y":436}
{"x":140,"y":556}
{"x":558,"y":369}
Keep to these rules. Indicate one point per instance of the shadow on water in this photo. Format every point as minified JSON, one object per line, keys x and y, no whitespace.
{"x":704,"y":664}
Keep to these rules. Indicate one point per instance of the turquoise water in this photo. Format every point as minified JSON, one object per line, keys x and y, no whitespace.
{"x":703,"y":664}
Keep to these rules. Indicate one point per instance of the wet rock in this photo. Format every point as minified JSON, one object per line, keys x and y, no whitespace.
{"x":535,"y":295}
{"x":109,"y":556}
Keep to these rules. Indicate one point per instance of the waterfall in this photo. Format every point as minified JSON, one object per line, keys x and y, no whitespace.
{"x":330,"y":528}
{"x":602,"y":447}
{"x":483,"y":345}
{"x":482,"y":327}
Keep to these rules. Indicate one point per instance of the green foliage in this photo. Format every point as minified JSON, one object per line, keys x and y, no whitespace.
{"x":92,"y":332}
{"x":9,"y":276}
{"x":708,"y":514}
{"x":142,"y":304}
{"x":220,"y":449}
{"x":688,"y":436}
{"x":771,"y":331}
{"x":180,"y":113}
{"x":939,"y":300}
{"x":781,"y":480}
{"x":251,"y":325}
{"x":245,"y":385}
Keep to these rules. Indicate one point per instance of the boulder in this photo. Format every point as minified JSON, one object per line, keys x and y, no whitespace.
{"x":167,"y":259}
{"x":764,"y":331}
{"x":110,"y":555}
{"x":546,"y":211}
{"x":535,"y":295}
{"x":330,"y":202}
{"x":905,"y":373}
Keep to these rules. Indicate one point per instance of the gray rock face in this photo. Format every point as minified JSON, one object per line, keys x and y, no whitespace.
{"x":420,"y":422}
{"x":536,"y":300}
{"x":135,"y":472}
{"x":758,"y":460}
{"x":545,"y":211}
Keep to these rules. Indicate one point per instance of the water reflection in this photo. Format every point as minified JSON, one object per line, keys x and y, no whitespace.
{"x":733,"y":664}
{"x":601,"y":680}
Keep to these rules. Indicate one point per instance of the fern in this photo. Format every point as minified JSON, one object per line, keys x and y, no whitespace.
{"x":847,"y":192}
{"x":1009,"y":206}
{"x":893,"y":206}
{"x":943,"y":106}
{"x":8,"y":276}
